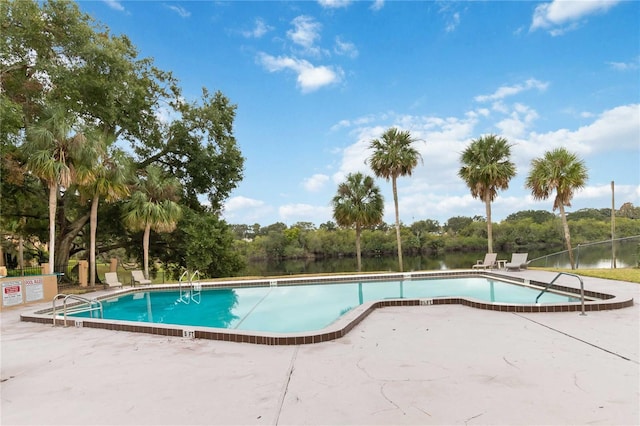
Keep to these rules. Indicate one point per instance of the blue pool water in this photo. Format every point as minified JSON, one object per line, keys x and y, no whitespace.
{"x":287,"y":309}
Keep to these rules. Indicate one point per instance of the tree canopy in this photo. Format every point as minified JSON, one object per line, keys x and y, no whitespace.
{"x":55,"y":56}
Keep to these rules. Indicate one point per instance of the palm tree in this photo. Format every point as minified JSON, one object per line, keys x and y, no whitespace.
{"x":153,"y":206}
{"x":108,"y":180}
{"x":358,"y":203}
{"x":394,"y":156}
{"x":49,"y":148}
{"x":560,"y":171}
{"x":486,"y":168}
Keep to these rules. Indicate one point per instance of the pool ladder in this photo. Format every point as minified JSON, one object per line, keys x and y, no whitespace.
{"x":83,"y":305}
{"x":544,"y":290}
{"x":191,"y":291}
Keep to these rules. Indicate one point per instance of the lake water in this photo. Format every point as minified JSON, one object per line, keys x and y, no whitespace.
{"x":587,"y":256}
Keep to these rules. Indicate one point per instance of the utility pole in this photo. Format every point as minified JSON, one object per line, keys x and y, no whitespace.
{"x":613,"y":226}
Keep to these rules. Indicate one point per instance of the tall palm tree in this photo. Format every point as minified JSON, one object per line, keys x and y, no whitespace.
{"x":563,"y":172}
{"x":358,"y":203}
{"x":50,"y":146}
{"x":153,"y":206}
{"x":394,"y":156}
{"x":487,"y":168}
{"x":107,"y":180}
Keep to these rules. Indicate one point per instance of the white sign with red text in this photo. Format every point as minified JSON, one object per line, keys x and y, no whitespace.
{"x":11,"y":293}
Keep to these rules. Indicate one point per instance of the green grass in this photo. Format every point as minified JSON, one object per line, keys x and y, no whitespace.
{"x":621,"y":274}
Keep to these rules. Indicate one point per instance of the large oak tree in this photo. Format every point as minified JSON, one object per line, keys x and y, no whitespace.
{"x":53,"y":54}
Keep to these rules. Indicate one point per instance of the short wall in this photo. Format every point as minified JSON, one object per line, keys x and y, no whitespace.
{"x":19,"y":291}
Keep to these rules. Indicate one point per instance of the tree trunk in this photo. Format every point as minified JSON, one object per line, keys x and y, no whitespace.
{"x":21,"y":246}
{"x":358,"y":255}
{"x":487,"y":205}
{"x":395,"y":203}
{"x":68,"y":233}
{"x":21,"y":252}
{"x":63,"y":248}
{"x":53,"y":201}
{"x":567,"y":236}
{"x":93,"y":226}
{"x":145,"y":249}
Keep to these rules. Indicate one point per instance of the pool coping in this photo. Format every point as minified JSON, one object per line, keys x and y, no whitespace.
{"x":343,"y":325}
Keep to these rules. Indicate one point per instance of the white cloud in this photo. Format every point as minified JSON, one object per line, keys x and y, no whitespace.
{"x":309,"y":77}
{"x":435,"y":191}
{"x":377,"y":5}
{"x":245,"y":210}
{"x":114,"y":4}
{"x":360,"y":121}
{"x":340,"y":124}
{"x":355,"y":155}
{"x":506,"y":91}
{"x":566,"y":12}
{"x":184,"y":13}
{"x":520,"y":119}
{"x":345,"y":48}
{"x":439,"y":141}
{"x":334,"y":4}
{"x":625,"y":66}
{"x":260,"y":29}
{"x":292,"y":213}
{"x":315,"y":183}
{"x":619,"y":125}
{"x":305,"y":32}
{"x":623,"y":193}
{"x":453,"y":22}
{"x":450,"y":15}
{"x":239,"y":203}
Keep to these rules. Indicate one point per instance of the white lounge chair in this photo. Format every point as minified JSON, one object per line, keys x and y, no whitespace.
{"x":111,"y":280}
{"x":138,"y":277}
{"x":518,"y":261}
{"x":488,"y":262}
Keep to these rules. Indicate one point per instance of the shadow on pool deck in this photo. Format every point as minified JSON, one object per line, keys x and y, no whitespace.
{"x":422,"y":365}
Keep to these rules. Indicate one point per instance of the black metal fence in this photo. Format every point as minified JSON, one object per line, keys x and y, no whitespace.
{"x":23,"y":272}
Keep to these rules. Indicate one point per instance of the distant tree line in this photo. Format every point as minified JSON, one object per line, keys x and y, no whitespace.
{"x":520,"y":231}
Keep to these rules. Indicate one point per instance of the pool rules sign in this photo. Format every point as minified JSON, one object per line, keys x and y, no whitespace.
{"x":34,"y":289}
{"x":11,"y":293}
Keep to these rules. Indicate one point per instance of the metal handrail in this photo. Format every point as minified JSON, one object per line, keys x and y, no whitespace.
{"x":81,"y":299}
{"x":558,"y":276}
{"x":182,"y":297}
{"x":579,"y":246}
{"x":194,"y":289}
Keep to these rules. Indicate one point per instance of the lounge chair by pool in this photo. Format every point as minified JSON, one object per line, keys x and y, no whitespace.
{"x":111,"y":280}
{"x":138,"y":277}
{"x":518,"y":261}
{"x":488,"y":262}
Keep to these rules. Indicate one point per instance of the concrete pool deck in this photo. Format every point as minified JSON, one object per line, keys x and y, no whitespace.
{"x":441,"y":365}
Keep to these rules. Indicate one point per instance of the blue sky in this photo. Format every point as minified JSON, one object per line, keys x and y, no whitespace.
{"x":315,"y":82}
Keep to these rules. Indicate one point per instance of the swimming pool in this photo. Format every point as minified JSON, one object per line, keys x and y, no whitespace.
{"x":300,"y":308}
{"x":314,"y":309}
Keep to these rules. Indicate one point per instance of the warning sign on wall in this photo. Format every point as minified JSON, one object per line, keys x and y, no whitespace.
{"x":11,"y":293}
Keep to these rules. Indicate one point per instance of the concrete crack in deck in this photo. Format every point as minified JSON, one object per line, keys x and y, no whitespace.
{"x":578,"y":339}
{"x":283,"y":394}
